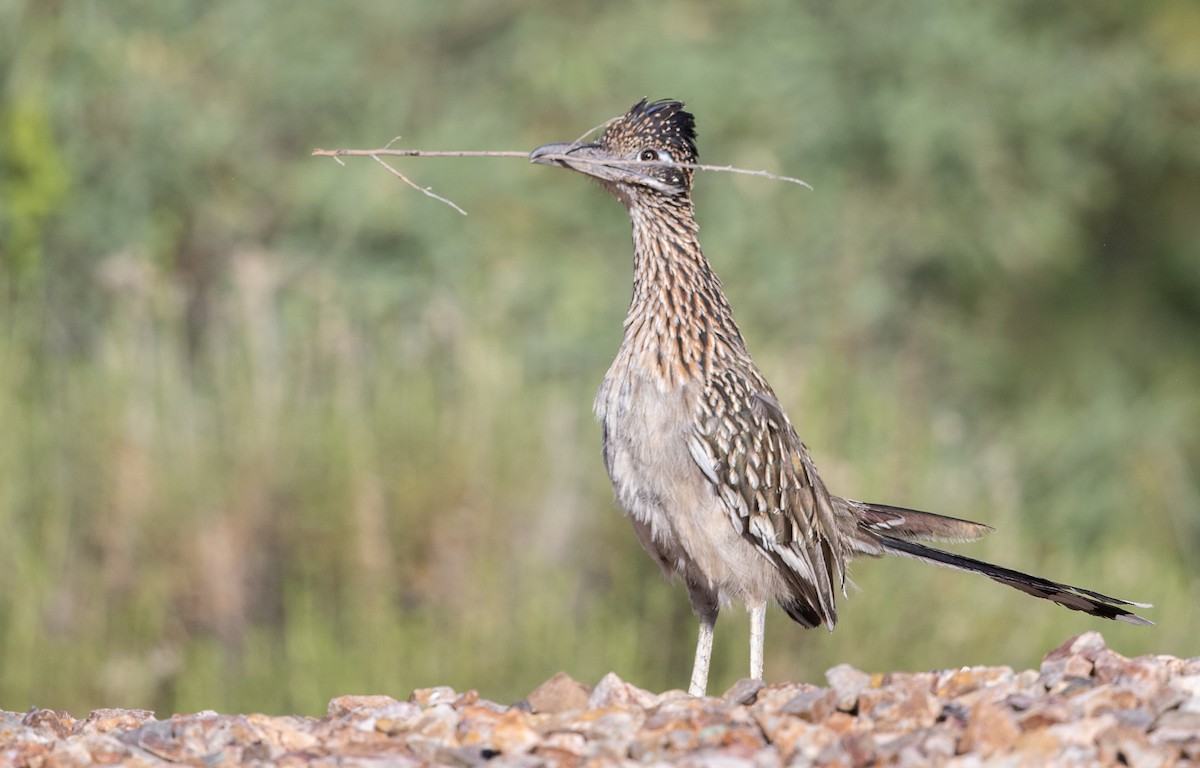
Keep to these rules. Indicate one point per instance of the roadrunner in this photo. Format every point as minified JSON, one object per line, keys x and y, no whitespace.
{"x":702,"y":457}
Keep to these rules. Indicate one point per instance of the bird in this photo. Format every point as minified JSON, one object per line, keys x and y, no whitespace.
{"x":720,"y":489}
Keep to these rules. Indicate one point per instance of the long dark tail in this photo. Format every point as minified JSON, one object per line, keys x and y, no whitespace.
{"x":1075,"y":598}
{"x":897,"y":531}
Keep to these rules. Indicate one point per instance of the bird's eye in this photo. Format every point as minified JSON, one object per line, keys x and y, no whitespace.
{"x":648,"y":155}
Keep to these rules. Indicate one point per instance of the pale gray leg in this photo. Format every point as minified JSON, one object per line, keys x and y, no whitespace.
{"x":699,"y":686}
{"x":758,"y":621}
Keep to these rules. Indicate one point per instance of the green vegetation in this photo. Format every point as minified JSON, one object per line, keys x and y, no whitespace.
{"x":276,"y":430}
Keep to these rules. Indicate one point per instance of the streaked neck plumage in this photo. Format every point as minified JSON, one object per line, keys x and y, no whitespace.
{"x":679,"y":316}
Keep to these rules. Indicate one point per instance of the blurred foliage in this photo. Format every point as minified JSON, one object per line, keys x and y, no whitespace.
{"x":278,"y":430}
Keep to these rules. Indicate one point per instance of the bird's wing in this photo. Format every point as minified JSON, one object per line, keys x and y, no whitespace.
{"x":747,"y":448}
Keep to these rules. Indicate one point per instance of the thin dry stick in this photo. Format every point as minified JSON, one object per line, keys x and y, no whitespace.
{"x":374,"y":154}
{"x":414,"y":185}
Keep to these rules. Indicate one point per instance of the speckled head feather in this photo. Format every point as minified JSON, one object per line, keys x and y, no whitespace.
{"x":663,"y":125}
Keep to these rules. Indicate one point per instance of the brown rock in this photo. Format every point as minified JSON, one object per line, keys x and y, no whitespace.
{"x":434,"y":731}
{"x":774,"y":697}
{"x":840,"y":722}
{"x":1175,"y":726}
{"x":1189,"y":685}
{"x":507,"y":733}
{"x":1037,"y":747}
{"x":564,"y":743}
{"x":904,"y":703}
{"x":391,"y":719}
{"x":791,"y":735}
{"x":957,"y":683}
{"x":990,"y":730}
{"x":1081,"y":736}
{"x":1087,"y":706}
{"x":559,"y":694}
{"x":1042,"y":712}
{"x":1059,"y":674}
{"x":548,"y":754}
{"x":612,"y":691}
{"x":1126,"y":746}
{"x":104,"y":720}
{"x":49,"y":721}
{"x":1071,"y":661}
{"x":345,"y":705}
{"x":813,"y":705}
{"x":1165,"y":699}
{"x":606,"y":725}
{"x":101,"y":750}
{"x":937,"y":747}
{"x":1108,"y":666}
{"x":744,"y":691}
{"x":1089,"y":645}
{"x":847,"y":683}
{"x":682,"y":726}
{"x":429,"y":697}
{"x":286,"y":734}
{"x":1102,"y":699}
{"x":853,"y":749}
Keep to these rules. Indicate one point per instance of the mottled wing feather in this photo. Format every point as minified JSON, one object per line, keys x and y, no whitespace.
{"x":747,"y":448}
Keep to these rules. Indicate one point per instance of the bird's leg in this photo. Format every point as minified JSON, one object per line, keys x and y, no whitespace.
{"x":758,"y":621}
{"x":708,"y":621}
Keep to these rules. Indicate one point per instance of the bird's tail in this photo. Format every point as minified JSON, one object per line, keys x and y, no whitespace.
{"x":897,"y":531}
{"x":911,"y":525}
{"x":1075,"y":598}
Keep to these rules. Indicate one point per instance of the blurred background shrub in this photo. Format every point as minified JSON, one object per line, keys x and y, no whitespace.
{"x":276,"y":430}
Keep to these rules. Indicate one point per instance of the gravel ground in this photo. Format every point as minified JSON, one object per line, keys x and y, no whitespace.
{"x":1086,"y":706}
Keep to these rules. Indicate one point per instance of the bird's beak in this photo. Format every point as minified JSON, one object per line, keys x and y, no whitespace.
{"x":547,"y":154}
{"x":592,"y":160}
{"x":585,"y":158}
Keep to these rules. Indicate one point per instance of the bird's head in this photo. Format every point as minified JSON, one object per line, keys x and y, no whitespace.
{"x":621,"y":159}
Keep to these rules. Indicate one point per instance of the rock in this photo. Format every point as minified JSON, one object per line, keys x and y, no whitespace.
{"x":429,"y":697}
{"x":812,"y":705}
{"x":847,"y":682}
{"x":902,"y":703}
{"x":1073,"y":660}
{"x":1086,"y":706}
{"x":60,"y":724}
{"x":744,"y":691}
{"x":1042,"y":712}
{"x":790,"y":734}
{"x":345,"y":705}
{"x":682,"y":726}
{"x":559,"y":694}
{"x":1175,"y":726}
{"x":105,"y":720}
{"x":960,"y":683}
{"x":604,"y":726}
{"x":1082,"y":735}
{"x":854,"y":749}
{"x":612,"y":691}
{"x":506,"y":733}
{"x":991,"y":729}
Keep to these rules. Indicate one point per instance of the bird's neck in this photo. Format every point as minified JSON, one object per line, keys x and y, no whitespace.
{"x":679,"y":314}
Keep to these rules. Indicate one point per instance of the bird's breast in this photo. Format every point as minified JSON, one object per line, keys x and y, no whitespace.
{"x":648,"y":425}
